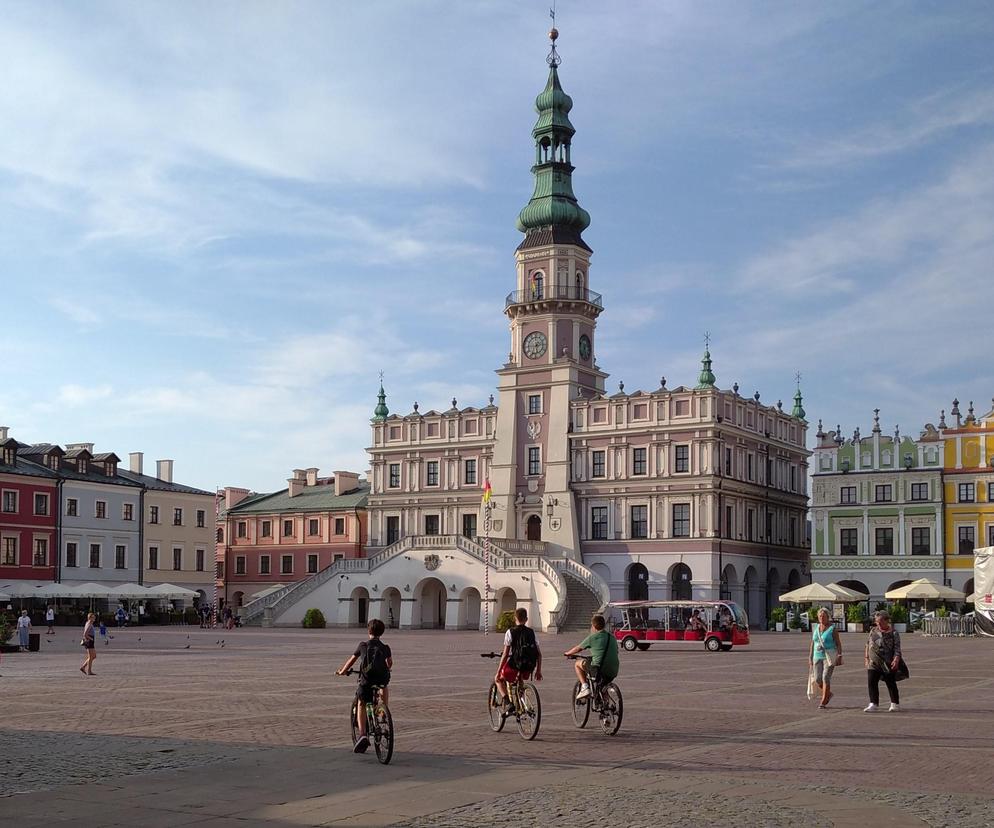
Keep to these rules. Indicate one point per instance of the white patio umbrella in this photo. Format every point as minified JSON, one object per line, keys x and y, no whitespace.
{"x":847,"y":595}
{"x":171,"y":591}
{"x":129,"y":592}
{"x":810,"y":594}
{"x":21,"y":589}
{"x":924,"y":590}
{"x":90,"y":590}
{"x":971,"y":598}
{"x":55,"y":591}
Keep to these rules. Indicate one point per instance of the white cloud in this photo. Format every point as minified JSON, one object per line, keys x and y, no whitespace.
{"x":82,"y":395}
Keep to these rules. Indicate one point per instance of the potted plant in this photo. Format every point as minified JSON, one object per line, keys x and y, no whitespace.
{"x":899,"y":617}
{"x":795,"y":621}
{"x":855,"y":615}
{"x":778,"y":618}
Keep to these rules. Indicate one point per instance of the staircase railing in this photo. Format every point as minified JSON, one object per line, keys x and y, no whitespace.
{"x":587,"y":577}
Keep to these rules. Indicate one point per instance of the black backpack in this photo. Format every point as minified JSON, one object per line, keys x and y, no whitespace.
{"x":374,"y":669}
{"x":524,"y":649}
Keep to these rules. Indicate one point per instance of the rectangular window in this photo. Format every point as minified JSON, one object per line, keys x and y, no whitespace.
{"x":728,"y":462}
{"x":218,"y":570}
{"x":201,"y":519}
{"x":597,"y":458}
{"x":40,"y":552}
{"x":101,"y":508}
{"x":883,"y":494}
{"x":153,"y":557}
{"x":598,"y":523}
{"x":469,"y":526}
{"x":749,"y":469}
{"x":240,"y":565}
{"x":312,"y":564}
{"x":72,"y":555}
{"x":264,"y":564}
{"x":394,"y":476}
{"x":10,"y":501}
{"x":201,"y":555}
{"x":848,"y":542}
{"x":153,"y":514}
{"x":120,"y":557}
{"x":286,"y":564}
{"x":267,"y":529}
{"x":769,"y":526}
{"x":534,"y":403}
{"x":639,"y":465}
{"x":129,"y":511}
{"x":990,"y":535}
{"x":750,"y":524}
{"x":10,"y":551}
{"x":729,"y":524}
{"x":177,"y":517}
{"x":393,"y":529}
{"x":432,"y":473}
{"x":312,"y":527}
{"x":640,"y":522}
{"x":921,"y":540}
{"x":339,"y":526}
{"x":177,"y":558}
{"x":847,"y":495}
{"x":793,"y":478}
{"x":72,"y":507}
{"x":967,"y":539}
{"x":534,"y":460}
{"x":287,"y":528}
{"x":41,"y":504}
{"x":431,"y":524}
{"x":884,"y":541}
{"x":681,"y":459}
{"x":681,"y":520}
{"x":919,"y":491}
{"x":242,"y":529}
{"x":966,"y":493}
{"x":990,"y":496}
{"x":94,"y":556}
{"x":469,"y":473}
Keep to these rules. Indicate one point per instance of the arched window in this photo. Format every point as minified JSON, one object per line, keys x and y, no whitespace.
{"x":638,"y":582}
{"x":579,"y":284}
{"x":680,"y":582}
{"x":537,"y":285}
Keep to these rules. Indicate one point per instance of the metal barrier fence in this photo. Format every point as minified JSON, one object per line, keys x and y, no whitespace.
{"x":947,"y":626}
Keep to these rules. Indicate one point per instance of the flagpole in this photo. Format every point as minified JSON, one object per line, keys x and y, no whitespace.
{"x":486,"y":557}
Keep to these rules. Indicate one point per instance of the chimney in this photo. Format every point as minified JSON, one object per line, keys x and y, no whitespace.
{"x":312,"y":477}
{"x":3,"y":432}
{"x":233,"y":496}
{"x":164,"y":470}
{"x":295,"y":485}
{"x":136,"y":461}
{"x":345,"y":482}
{"x":74,"y":446}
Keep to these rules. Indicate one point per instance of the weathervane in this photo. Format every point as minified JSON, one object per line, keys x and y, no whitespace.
{"x":797,"y":379}
{"x":553,"y":59}
{"x":707,"y":340}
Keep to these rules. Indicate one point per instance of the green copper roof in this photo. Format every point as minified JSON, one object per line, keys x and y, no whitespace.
{"x":798,"y":408}
{"x":553,"y":203}
{"x":381,"y":411}
{"x":706,"y":379}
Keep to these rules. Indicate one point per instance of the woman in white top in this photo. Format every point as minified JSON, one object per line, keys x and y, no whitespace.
{"x":89,"y":643}
{"x":23,"y":629}
{"x":50,"y":619}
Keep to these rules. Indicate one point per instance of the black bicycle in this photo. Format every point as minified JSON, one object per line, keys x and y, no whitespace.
{"x":604,"y":699}
{"x":525,"y":706}
{"x":379,"y":723}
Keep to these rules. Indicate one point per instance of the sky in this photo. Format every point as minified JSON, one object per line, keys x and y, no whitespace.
{"x":220,"y":221}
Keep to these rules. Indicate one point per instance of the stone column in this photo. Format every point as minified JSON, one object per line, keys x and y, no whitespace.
{"x":452,"y":607}
{"x":406,"y":613}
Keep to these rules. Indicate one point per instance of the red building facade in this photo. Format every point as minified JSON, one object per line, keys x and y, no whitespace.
{"x":29,"y":509}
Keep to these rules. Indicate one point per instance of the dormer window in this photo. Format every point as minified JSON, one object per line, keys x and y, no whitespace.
{"x":81,"y":465}
{"x":8,"y":457}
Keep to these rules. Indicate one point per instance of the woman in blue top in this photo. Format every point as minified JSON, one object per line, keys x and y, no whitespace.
{"x":825,"y":655}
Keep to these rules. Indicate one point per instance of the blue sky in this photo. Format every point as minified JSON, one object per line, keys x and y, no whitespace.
{"x":219,"y":221}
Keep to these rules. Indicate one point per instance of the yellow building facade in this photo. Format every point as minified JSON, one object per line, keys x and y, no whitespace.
{"x":968,"y":481}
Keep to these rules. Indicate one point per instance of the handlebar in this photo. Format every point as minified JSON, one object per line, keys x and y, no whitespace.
{"x":348,"y":672}
{"x":490,"y":655}
{"x":575,"y":656}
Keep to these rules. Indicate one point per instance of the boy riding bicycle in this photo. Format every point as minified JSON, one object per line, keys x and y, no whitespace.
{"x":519,"y":657}
{"x":603,"y":664}
{"x":375,"y":663}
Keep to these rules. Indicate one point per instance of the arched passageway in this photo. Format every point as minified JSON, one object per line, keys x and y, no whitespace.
{"x":507,"y":600}
{"x":429,"y":605}
{"x":638,"y":582}
{"x":469,"y":609}
{"x":681,"y":588}
{"x":359,"y":607}
{"x":391,"y":608}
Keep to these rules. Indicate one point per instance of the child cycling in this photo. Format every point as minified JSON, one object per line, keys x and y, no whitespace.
{"x":603,"y":663}
{"x":519,"y":657}
{"x":375,"y":663}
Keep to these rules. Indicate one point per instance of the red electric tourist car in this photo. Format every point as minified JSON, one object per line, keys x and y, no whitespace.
{"x":719,"y":624}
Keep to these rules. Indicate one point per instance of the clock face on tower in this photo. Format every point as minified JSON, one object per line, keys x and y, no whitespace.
{"x":584,"y":347}
{"x":535,"y":344}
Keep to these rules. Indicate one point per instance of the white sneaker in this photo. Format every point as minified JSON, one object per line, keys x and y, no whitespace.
{"x":894,"y":708}
{"x":869,"y":708}
{"x":584,"y":692}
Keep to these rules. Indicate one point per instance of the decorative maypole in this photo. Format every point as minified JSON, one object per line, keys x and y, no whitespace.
{"x":487,"y":509}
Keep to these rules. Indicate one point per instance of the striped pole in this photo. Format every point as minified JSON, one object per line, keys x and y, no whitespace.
{"x":486,"y":568}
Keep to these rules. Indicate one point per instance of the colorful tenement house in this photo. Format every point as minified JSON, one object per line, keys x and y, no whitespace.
{"x":876,"y":510}
{"x":29,"y":504}
{"x":969,"y":490}
{"x":266,"y":541}
{"x":646,"y":494}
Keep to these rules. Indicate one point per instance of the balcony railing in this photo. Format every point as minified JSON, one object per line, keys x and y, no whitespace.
{"x":547,"y":293}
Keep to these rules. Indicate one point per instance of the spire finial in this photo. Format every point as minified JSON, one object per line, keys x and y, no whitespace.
{"x":876,"y":420}
{"x":553,"y":59}
{"x":798,"y":411}
{"x":706,"y":378}
{"x":942,"y":418}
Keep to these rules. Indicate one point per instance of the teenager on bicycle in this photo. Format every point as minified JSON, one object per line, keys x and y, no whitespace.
{"x":603,"y":663}
{"x":375,"y":663}
{"x":519,"y":657}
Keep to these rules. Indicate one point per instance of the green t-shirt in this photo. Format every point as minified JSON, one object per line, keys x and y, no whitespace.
{"x":603,"y":652}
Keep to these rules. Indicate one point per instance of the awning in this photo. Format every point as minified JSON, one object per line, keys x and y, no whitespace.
{"x":924,"y":590}
{"x":171,"y":591}
{"x":128,"y":592}
{"x":810,"y":594}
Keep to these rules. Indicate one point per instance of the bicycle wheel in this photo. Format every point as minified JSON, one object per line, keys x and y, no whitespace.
{"x":382,"y":725}
{"x":497,"y":717}
{"x":612,"y":709}
{"x":352,"y":721}
{"x":581,"y":708}
{"x":529,"y":712}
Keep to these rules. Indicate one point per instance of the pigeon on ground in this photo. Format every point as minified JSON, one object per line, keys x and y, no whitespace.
{"x":187,"y":647}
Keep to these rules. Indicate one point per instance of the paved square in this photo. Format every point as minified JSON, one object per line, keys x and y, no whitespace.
{"x":177,"y":730}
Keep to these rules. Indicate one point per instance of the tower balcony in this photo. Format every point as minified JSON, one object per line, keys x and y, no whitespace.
{"x":553,"y":293}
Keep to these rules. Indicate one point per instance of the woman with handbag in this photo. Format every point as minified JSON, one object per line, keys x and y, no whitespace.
{"x":883,"y":661}
{"x":825,"y":655}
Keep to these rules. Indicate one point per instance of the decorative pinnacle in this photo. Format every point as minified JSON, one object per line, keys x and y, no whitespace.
{"x":706,"y":378}
{"x":454,"y":402}
{"x":942,"y":418}
{"x":621,"y":387}
{"x":553,"y":59}
{"x":876,"y":420}
{"x":662,"y":383}
{"x":491,"y":399}
{"x":735,"y":389}
{"x":381,"y":411}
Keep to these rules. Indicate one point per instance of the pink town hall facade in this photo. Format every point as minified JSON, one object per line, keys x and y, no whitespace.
{"x":685,"y":492}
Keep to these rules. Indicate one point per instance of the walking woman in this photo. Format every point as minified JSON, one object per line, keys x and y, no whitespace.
{"x":825,"y":655}
{"x":883,"y":660}
{"x":89,"y":643}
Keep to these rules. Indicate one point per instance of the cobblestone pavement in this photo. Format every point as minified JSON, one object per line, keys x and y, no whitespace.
{"x":175,"y":729}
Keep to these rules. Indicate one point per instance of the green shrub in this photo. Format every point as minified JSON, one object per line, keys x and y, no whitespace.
{"x":505,"y":621}
{"x":855,"y":613}
{"x":813,"y":614}
{"x":778,"y":615}
{"x":6,"y":630}
{"x":191,"y":616}
{"x":942,"y":612}
{"x":898,"y":614}
{"x":314,"y":619}
{"x":795,"y":621}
